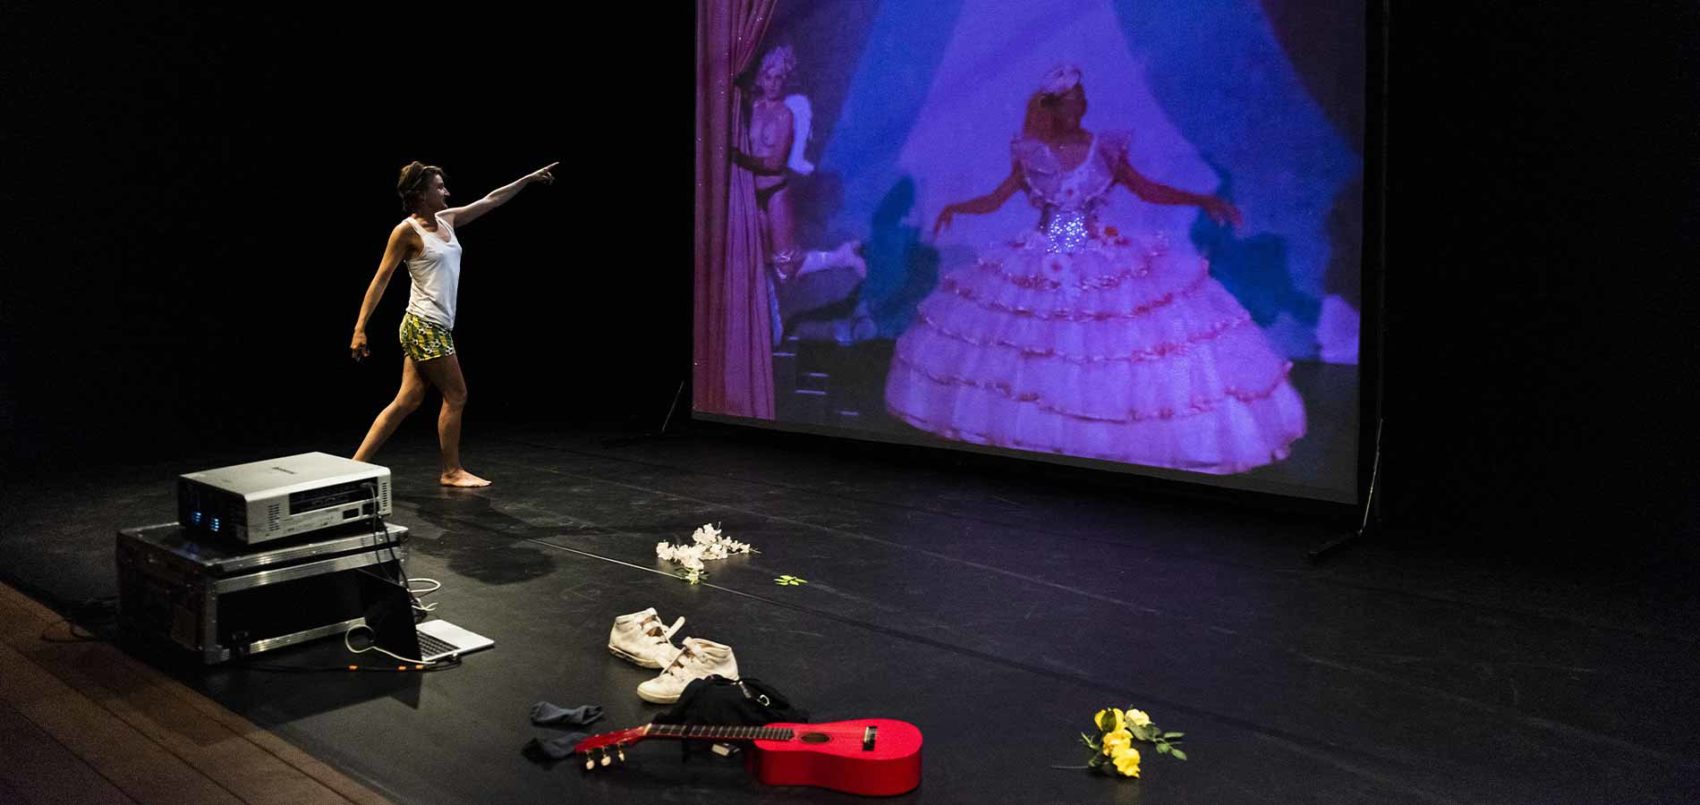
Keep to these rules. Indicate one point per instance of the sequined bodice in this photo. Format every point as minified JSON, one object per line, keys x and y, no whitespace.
{"x":1068,"y":197}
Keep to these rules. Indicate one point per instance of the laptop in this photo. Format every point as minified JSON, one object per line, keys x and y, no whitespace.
{"x":390,"y":617}
{"x":441,"y":640}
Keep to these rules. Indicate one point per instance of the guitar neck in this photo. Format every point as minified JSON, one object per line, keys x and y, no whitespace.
{"x":692,"y":732}
{"x":870,"y":756}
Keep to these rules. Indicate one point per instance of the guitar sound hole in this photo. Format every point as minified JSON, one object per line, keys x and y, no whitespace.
{"x":815,"y":738}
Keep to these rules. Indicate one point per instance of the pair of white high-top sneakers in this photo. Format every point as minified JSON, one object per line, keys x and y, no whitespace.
{"x":643,"y":639}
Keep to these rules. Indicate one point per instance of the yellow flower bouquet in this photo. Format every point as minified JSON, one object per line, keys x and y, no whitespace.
{"x":1112,"y":748}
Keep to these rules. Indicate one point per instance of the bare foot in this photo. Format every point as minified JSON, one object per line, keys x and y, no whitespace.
{"x":461,"y":478}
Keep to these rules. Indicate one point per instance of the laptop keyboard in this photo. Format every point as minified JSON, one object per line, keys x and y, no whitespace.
{"x":430,"y":646}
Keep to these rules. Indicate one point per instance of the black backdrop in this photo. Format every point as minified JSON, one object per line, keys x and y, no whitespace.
{"x":209,"y":191}
{"x":195,"y":201}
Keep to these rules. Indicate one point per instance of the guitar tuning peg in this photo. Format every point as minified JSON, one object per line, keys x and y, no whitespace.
{"x":589,"y":761}
{"x":622,"y":751}
{"x":607,"y":759}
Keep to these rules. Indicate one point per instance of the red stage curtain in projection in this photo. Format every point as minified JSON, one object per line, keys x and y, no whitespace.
{"x":733,"y":369}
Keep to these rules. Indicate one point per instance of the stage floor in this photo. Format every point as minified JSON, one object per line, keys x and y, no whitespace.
{"x":996,"y":612}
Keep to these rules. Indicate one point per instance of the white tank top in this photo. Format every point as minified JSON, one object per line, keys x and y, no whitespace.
{"x":436,"y":274}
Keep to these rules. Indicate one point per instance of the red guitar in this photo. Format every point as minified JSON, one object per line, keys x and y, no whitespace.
{"x":875,"y":757}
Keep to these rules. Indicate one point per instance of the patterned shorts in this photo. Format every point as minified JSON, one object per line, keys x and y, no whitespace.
{"x":423,"y":341}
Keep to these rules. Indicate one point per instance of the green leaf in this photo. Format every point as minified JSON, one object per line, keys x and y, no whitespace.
{"x":1106,"y":722}
{"x":1173,"y":734}
{"x":1179,"y":755}
{"x":1163,"y":749}
{"x":1096,"y":761}
{"x":1145,"y":733}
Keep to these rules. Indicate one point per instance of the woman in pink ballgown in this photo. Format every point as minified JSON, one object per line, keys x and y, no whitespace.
{"x":1080,"y":340}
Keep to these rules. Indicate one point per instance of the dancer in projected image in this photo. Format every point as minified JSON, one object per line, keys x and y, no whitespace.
{"x":1080,"y":340}
{"x":779,"y":126}
{"x":775,"y":154}
{"x":427,"y":242}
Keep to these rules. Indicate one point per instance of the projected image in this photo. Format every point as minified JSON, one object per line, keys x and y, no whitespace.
{"x":1118,"y":231}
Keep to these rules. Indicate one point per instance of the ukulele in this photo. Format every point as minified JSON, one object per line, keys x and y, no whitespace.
{"x":876,"y":757}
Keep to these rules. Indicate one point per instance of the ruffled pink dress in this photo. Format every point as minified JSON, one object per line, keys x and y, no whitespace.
{"x":1087,"y":342}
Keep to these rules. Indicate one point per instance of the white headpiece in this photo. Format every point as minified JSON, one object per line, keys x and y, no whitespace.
{"x":1060,"y":79}
{"x":782,"y":59}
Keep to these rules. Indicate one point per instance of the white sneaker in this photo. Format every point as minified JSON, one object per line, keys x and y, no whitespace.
{"x":641,"y":638}
{"x":698,"y":659}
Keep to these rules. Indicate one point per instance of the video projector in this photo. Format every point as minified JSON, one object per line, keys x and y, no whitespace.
{"x":282,"y":497}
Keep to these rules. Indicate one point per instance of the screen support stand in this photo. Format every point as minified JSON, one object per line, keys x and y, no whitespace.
{"x":1370,"y":507}
{"x":667,"y":427}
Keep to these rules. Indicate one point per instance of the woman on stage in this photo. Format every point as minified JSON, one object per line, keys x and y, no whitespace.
{"x":427,"y":243}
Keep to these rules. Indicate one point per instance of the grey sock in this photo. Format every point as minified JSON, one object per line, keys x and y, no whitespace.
{"x":540,"y":749}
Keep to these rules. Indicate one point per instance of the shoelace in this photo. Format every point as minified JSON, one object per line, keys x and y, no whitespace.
{"x":653,"y":628}
{"x":677,"y":668}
